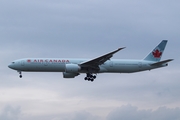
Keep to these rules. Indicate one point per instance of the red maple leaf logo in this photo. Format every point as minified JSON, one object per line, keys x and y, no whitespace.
{"x":157,"y":53}
{"x":28,"y":60}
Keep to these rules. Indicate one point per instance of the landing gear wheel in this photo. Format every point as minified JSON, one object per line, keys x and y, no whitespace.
{"x":20,"y":76}
{"x":90,"y":77}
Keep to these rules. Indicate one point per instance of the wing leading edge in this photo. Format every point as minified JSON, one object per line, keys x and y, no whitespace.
{"x":100,"y":60}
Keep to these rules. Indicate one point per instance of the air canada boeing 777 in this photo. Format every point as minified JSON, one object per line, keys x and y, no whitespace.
{"x":91,"y":67}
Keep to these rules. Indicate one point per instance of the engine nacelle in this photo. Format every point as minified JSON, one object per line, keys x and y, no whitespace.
{"x":72,"y":68}
{"x":69,"y":75}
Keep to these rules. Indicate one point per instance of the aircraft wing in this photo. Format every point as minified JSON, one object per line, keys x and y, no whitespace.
{"x":99,"y":60}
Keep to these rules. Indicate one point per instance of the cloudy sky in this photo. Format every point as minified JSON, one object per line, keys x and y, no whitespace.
{"x":87,"y":29}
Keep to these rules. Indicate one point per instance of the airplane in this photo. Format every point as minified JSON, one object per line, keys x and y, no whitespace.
{"x":71,"y":68}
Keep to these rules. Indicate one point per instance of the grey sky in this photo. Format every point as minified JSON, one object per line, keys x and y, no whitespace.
{"x":87,"y":29}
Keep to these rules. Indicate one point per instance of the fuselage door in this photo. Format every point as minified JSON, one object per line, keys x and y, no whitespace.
{"x":140,"y":65}
{"x":22,"y":63}
{"x":46,"y":63}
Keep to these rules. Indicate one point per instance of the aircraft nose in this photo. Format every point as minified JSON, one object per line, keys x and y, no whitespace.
{"x":12,"y":65}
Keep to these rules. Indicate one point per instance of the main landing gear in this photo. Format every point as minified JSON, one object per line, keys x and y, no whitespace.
{"x":20,"y":74}
{"x":90,"y":77}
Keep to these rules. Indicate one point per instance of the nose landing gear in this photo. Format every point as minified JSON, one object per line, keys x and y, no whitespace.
{"x":20,"y":74}
{"x":90,"y":77}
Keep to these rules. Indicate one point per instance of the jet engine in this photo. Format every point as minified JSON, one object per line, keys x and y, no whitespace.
{"x":69,"y":75}
{"x":72,"y":68}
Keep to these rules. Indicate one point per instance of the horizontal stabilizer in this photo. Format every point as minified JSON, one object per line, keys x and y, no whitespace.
{"x":161,"y":62}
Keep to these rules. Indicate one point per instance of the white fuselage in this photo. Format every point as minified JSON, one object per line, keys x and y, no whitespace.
{"x":59,"y":65}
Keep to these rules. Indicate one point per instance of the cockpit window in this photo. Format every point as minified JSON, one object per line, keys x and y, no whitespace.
{"x":13,"y":62}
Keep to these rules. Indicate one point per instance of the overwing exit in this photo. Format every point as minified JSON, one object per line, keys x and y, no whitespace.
{"x":91,"y":67}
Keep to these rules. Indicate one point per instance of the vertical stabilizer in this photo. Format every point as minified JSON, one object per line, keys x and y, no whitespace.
{"x":156,"y":54}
